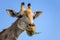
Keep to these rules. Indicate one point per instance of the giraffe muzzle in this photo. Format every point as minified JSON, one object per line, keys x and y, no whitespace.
{"x":30,"y":29}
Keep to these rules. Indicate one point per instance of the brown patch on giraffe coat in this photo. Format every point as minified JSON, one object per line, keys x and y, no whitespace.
{"x":5,"y":36}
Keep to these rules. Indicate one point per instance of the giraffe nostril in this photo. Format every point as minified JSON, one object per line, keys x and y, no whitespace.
{"x":31,"y":24}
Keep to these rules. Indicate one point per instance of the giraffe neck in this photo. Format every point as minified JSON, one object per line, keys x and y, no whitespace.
{"x":11,"y":33}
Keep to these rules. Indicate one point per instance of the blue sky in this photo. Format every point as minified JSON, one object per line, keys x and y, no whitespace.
{"x":48,"y":23}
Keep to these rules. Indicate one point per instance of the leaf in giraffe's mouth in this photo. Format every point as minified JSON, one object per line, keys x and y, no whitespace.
{"x":30,"y":30}
{"x":30,"y":33}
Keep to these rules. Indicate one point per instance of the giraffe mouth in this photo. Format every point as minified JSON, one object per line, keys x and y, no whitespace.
{"x":30,"y":30}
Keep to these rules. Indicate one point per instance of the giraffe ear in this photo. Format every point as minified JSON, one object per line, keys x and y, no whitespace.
{"x":37,"y":14}
{"x":11,"y":12}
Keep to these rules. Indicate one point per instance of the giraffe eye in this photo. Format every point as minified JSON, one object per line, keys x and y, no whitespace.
{"x":20,"y":16}
{"x":34,"y":17}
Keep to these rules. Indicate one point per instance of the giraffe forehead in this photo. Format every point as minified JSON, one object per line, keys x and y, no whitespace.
{"x":28,"y":12}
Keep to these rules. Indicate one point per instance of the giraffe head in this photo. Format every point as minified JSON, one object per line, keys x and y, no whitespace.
{"x":27,"y":16}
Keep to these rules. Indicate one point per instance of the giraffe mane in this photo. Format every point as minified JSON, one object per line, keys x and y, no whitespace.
{"x":3,"y":31}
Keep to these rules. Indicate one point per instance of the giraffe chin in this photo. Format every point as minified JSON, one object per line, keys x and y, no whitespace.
{"x":30,"y":30}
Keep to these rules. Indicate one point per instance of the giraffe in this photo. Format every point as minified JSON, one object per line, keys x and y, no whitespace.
{"x":25,"y":20}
